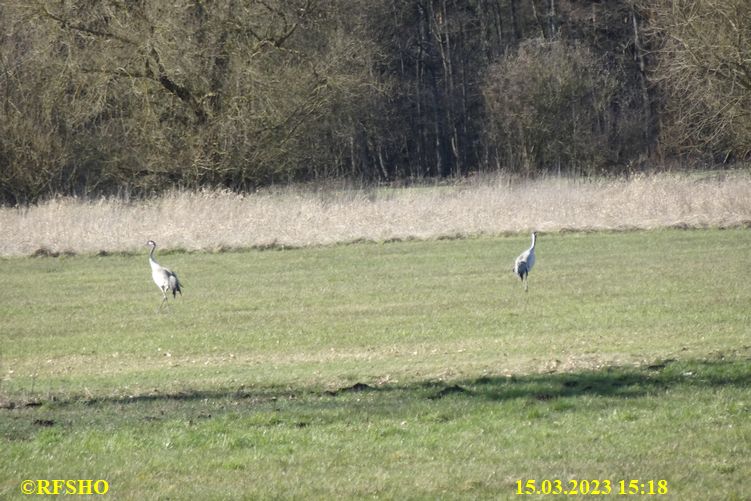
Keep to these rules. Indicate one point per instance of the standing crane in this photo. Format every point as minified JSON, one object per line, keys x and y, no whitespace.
{"x":164,"y":278}
{"x":525,"y":261}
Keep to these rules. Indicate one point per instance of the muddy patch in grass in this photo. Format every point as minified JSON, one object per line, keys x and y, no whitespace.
{"x":450,"y":390}
{"x":355,"y":388}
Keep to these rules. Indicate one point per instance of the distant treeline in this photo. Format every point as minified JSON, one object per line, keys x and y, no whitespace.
{"x":106,"y":96}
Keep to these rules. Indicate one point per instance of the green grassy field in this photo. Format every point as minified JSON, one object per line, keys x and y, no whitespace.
{"x":405,"y":370}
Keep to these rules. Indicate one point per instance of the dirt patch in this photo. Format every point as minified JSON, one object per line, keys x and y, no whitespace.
{"x":9,"y":404}
{"x":658,"y":366}
{"x":355,"y":388}
{"x":45,"y":252}
{"x":450,"y":390}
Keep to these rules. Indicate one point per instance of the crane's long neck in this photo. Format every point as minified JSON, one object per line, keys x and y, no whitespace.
{"x":534,"y":239}
{"x":152,"y":261}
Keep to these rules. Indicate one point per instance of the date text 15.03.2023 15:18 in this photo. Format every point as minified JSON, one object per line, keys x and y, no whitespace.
{"x":592,"y":487}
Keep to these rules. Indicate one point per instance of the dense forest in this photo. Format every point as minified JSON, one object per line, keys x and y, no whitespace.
{"x":136,"y":96}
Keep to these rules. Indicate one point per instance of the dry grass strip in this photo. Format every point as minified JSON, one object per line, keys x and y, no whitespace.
{"x":305,"y":216}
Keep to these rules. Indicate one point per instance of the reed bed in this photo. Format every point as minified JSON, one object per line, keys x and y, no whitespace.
{"x":300,"y":216}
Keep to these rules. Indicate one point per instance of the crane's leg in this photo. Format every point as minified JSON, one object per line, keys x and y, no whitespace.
{"x":164,"y":300}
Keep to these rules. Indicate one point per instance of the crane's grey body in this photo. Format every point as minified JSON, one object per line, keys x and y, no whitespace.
{"x":164,"y":278}
{"x":525,"y":261}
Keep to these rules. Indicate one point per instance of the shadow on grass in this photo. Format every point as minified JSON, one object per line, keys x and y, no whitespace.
{"x":300,"y":407}
{"x":621,"y":382}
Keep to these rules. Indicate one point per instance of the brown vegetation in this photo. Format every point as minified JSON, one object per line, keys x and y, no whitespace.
{"x":142,"y":96}
{"x":704,"y":70}
{"x":548,"y":104}
{"x":216,"y":220}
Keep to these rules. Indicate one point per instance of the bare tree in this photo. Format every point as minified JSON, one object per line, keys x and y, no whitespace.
{"x":548,"y":106}
{"x":704,"y":69}
{"x":140,"y":95}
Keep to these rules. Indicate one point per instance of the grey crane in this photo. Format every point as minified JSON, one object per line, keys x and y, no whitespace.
{"x":164,"y":278}
{"x":525,"y":261}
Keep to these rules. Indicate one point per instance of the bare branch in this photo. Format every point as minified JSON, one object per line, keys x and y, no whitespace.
{"x":65,"y":23}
